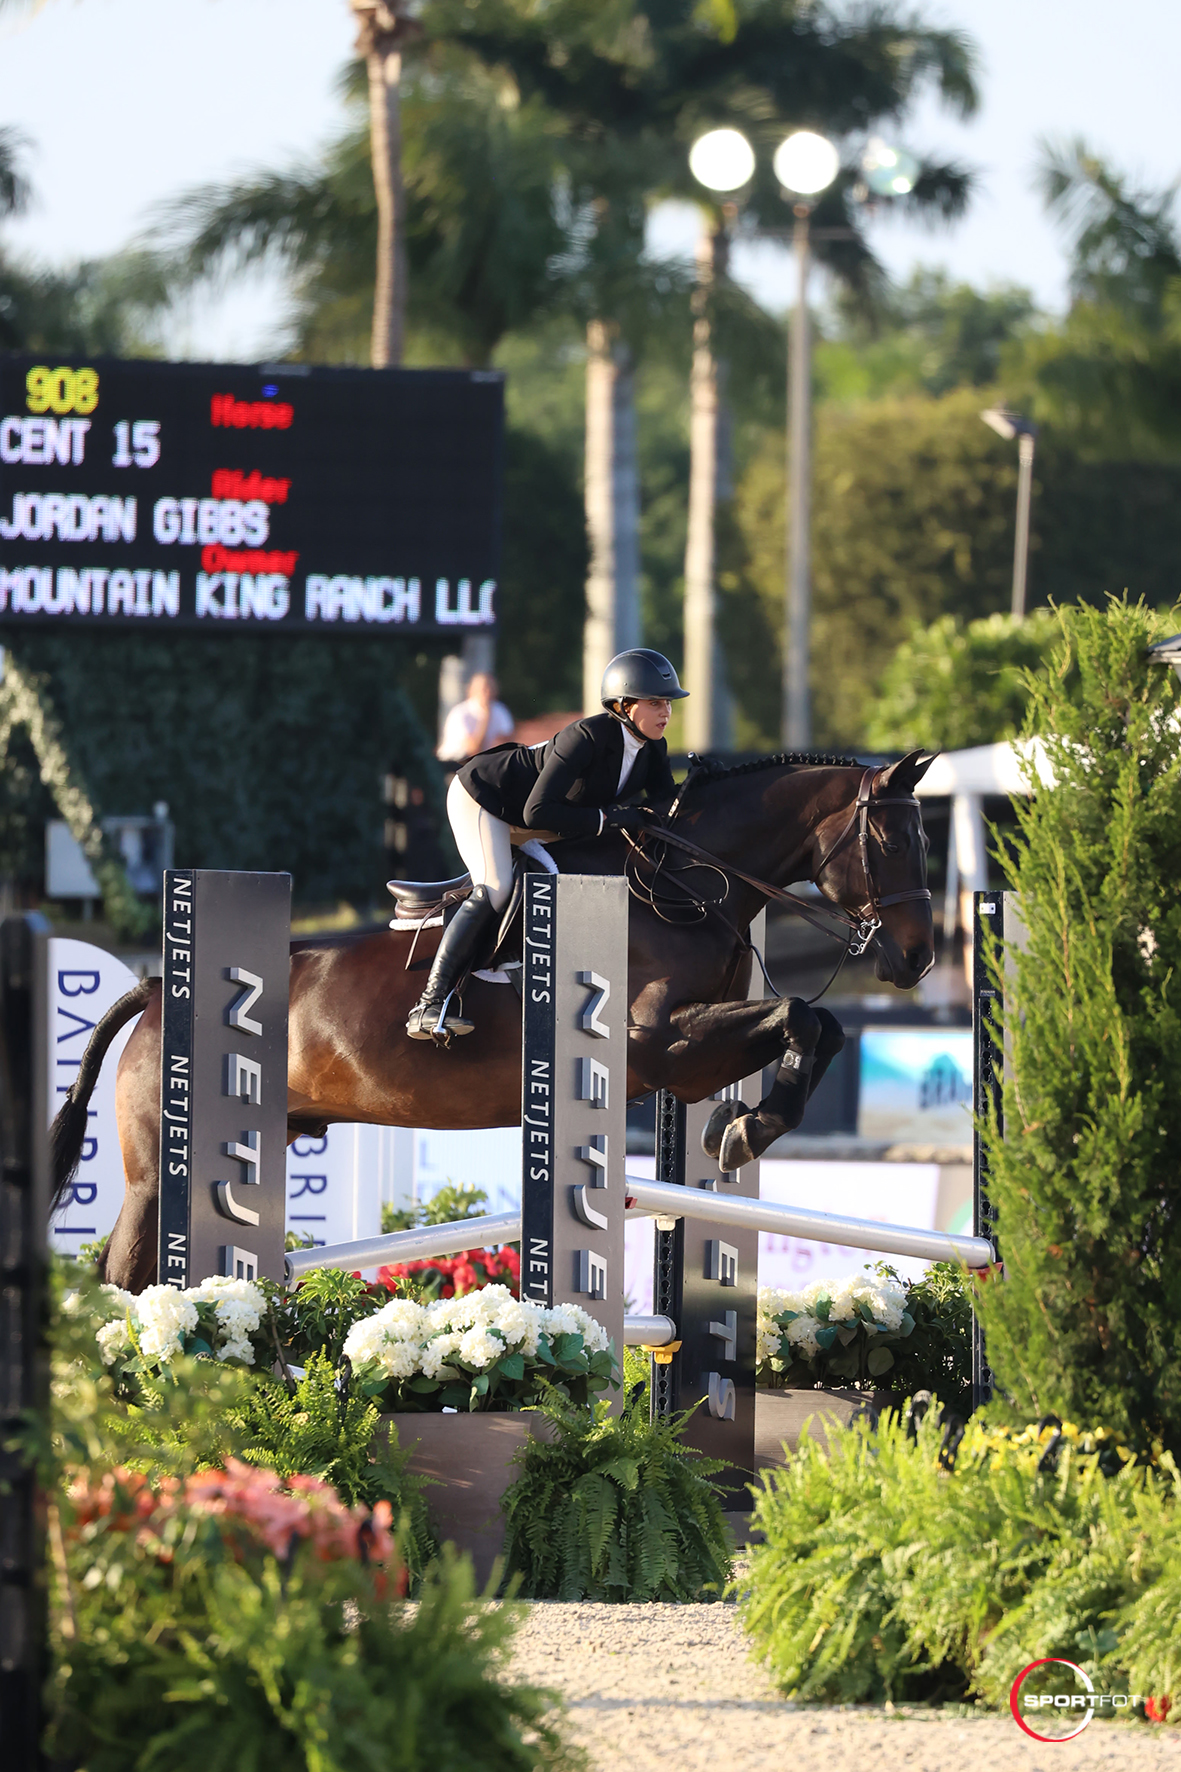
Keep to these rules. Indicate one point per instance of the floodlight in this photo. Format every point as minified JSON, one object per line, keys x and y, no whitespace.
{"x":1008,"y":424}
{"x":806,"y":163}
{"x":889,"y":171}
{"x":722,"y":160}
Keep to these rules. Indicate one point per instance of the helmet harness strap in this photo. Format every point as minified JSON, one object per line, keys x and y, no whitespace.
{"x":625,"y":719}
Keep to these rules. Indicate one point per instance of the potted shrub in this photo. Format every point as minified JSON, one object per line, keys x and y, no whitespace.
{"x":459,"y":1380}
{"x":870,"y":1338}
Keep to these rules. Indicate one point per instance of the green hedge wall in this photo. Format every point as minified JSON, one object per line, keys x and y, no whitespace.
{"x":269,"y":751}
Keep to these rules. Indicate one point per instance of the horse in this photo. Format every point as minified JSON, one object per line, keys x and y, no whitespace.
{"x":751,"y":829}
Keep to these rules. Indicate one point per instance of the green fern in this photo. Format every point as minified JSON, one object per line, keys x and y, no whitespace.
{"x":615,"y":1508}
{"x":326,"y":1429}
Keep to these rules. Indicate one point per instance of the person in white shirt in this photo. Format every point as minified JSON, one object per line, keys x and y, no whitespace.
{"x":476,"y":724}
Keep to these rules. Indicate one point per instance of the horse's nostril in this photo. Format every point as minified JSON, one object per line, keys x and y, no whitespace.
{"x":919,"y":958}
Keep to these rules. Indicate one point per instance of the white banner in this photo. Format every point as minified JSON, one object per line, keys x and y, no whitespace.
{"x":336,"y":1183}
{"x":84,"y":981}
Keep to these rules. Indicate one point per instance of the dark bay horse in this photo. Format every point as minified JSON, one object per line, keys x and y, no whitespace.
{"x":856,"y":833}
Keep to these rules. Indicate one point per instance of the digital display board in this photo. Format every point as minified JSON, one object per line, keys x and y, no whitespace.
{"x":235,"y":499}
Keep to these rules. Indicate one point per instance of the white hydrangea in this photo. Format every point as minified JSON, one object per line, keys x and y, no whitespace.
{"x":162,"y":1317}
{"x":392,"y":1338}
{"x":478,"y":1348}
{"x":801,"y":1333}
{"x":113,"y":1339}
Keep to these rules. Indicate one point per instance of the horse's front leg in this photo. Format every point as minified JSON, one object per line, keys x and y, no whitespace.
{"x":716,"y":1044}
{"x":707,"y":1046}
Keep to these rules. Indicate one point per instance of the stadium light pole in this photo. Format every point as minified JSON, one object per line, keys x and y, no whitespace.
{"x":805,"y":165}
{"x":1009,"y":425}
{"x":722,"y":161}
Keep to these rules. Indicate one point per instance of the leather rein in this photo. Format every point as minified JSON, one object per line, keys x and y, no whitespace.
{"x":862,"y":925}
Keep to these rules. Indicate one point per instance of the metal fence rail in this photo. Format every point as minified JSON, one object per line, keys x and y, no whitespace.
{"x":665,"y":1201}
{"x":660,"y":1198}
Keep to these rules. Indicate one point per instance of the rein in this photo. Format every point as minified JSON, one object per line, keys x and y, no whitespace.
{"x":862,"y":926}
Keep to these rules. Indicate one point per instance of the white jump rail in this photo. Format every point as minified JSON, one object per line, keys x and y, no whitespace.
{"x":663,"y":1200}
{"x":416,"y":1245}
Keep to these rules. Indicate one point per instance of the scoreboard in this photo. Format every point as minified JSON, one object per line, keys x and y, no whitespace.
{"x":230,"y":499}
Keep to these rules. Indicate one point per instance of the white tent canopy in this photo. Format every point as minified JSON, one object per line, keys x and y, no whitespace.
{"x":965,"y":777}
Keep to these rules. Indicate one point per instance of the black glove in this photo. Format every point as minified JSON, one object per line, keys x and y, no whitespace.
{"x":631,"y":819}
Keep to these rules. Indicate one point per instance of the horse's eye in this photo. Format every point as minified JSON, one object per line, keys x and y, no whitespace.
{"x":891,"y":848}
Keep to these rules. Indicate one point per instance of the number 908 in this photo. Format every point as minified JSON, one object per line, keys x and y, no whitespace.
{"x":61,"y":390}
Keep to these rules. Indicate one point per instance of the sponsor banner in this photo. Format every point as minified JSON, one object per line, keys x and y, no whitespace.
{"x":84,"y":982}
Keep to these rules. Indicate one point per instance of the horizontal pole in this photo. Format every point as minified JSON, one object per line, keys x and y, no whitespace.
{"x":666,"y":1199}
{"x":416,"y":1245}
{"x":648,"y":1331}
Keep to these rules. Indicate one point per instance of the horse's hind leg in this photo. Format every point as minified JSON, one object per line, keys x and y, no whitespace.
{"x":741,"y":1136}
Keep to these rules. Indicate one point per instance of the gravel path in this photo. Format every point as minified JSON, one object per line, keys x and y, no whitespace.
{"x":672,"y":1687}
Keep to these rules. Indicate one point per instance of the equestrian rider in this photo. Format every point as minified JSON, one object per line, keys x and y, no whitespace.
{"x":572,"y":786}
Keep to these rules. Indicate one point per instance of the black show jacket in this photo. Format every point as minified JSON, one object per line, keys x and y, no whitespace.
{"x":562,"y":786}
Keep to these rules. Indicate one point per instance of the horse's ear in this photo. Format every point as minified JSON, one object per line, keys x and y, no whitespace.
{"x":905,"y":775}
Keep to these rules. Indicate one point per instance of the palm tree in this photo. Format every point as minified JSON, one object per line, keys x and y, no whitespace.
{"x":634,"y":81}
{"x":480,"y":225}
{"x":1110,"y":372}
{"x":384,"y":27}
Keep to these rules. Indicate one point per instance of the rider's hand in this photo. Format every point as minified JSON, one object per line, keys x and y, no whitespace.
{"x":631,"y":819}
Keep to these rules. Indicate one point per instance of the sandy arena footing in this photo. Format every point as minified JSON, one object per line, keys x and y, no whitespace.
{"x":668,"y":1687}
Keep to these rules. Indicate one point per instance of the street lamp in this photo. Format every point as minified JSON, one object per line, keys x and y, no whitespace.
{"x":805,"y":164}
{"x":722,"y":161}
{"x":1009,"y":425}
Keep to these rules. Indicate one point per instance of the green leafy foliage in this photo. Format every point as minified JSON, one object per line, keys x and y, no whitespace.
{"x":325,"y":1428}
{"x":208,"y":1662}
{"x":891,"y":1571}
{"x":937,"y":1354}
{"x":315,"y":1316}
{"x":270,"y":753}
{"x":452,"y":1202}
{"x":200,"y":1647}
{"x":913,"y":520}
{"x":955,"y":684}
{"x":1084,"y":1178}
{"x":615,"y":1508}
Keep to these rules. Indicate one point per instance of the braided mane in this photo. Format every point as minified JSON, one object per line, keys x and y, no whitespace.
{"x":710,"y":769}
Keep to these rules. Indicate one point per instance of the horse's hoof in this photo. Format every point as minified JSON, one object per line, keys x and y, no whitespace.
{"x":738,"y":1143}
{"x":715,"y":1126}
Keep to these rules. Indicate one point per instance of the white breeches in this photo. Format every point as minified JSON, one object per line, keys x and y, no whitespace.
{"x":483,"y":842}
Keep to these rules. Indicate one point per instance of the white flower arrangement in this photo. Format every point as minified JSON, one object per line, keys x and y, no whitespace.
{"x":485,"y":1349}
{"x":152,"y":1327}
{"x":832,"y":1322}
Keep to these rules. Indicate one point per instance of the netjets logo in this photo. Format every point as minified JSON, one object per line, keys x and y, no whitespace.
{"x":1057,"y":1714}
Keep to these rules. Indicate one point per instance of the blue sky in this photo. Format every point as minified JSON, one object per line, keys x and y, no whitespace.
{"x":126,"y":101}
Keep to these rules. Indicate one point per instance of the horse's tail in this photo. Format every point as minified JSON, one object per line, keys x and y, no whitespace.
{"x":68,"y":1132}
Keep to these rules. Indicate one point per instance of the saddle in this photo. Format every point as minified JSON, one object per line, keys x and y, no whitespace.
{"x":418,"y":903}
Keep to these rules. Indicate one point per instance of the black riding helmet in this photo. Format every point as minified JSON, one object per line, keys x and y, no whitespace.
{"x":639,"y":675}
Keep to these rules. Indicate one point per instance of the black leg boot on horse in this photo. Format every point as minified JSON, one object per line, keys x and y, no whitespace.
{"x":735,"y":1135}
{"x":434,"y":1016}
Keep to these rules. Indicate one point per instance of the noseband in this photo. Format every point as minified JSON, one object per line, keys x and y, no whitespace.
{"x":862,"y":925}
{"x":872,"y":904}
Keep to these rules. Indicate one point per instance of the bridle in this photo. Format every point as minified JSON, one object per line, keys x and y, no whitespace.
{"x":873,"y":902}
{"x":862,"y":924}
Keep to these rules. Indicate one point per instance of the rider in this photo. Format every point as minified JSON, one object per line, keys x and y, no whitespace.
{"x":572,"y":786}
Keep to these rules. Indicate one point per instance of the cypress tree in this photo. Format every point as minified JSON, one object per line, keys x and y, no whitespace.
{"x":1087,"y":1177}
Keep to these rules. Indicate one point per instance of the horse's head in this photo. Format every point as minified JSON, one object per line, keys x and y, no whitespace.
{"x":873,"y":861}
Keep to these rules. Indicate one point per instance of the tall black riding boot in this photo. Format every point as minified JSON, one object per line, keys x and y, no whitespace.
{"x":433,"y":1016}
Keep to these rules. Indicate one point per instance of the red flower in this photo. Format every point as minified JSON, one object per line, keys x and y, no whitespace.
{"x":1157,"y":1709}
